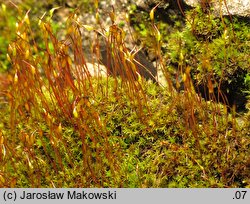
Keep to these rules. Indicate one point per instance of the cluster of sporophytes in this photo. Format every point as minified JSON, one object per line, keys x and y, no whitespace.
{"x":62,"y":127}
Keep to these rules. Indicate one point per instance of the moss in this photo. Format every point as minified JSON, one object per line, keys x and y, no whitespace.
{"x":63,"y":130}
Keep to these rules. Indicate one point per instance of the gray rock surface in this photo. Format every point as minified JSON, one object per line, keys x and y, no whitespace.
{"x":226,"y":7}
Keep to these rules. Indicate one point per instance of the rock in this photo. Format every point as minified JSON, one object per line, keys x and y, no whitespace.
{"x":96,"y":70}
{"x":118,"y":66}
{"x":239,"y":8}
{"x":227,"y":7}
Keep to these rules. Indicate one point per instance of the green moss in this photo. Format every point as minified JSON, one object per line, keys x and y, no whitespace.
{"x":113,"y":132}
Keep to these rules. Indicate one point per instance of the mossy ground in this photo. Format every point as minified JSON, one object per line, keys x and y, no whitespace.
{"x":59,"y":129}
{"x":161,"y":147}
